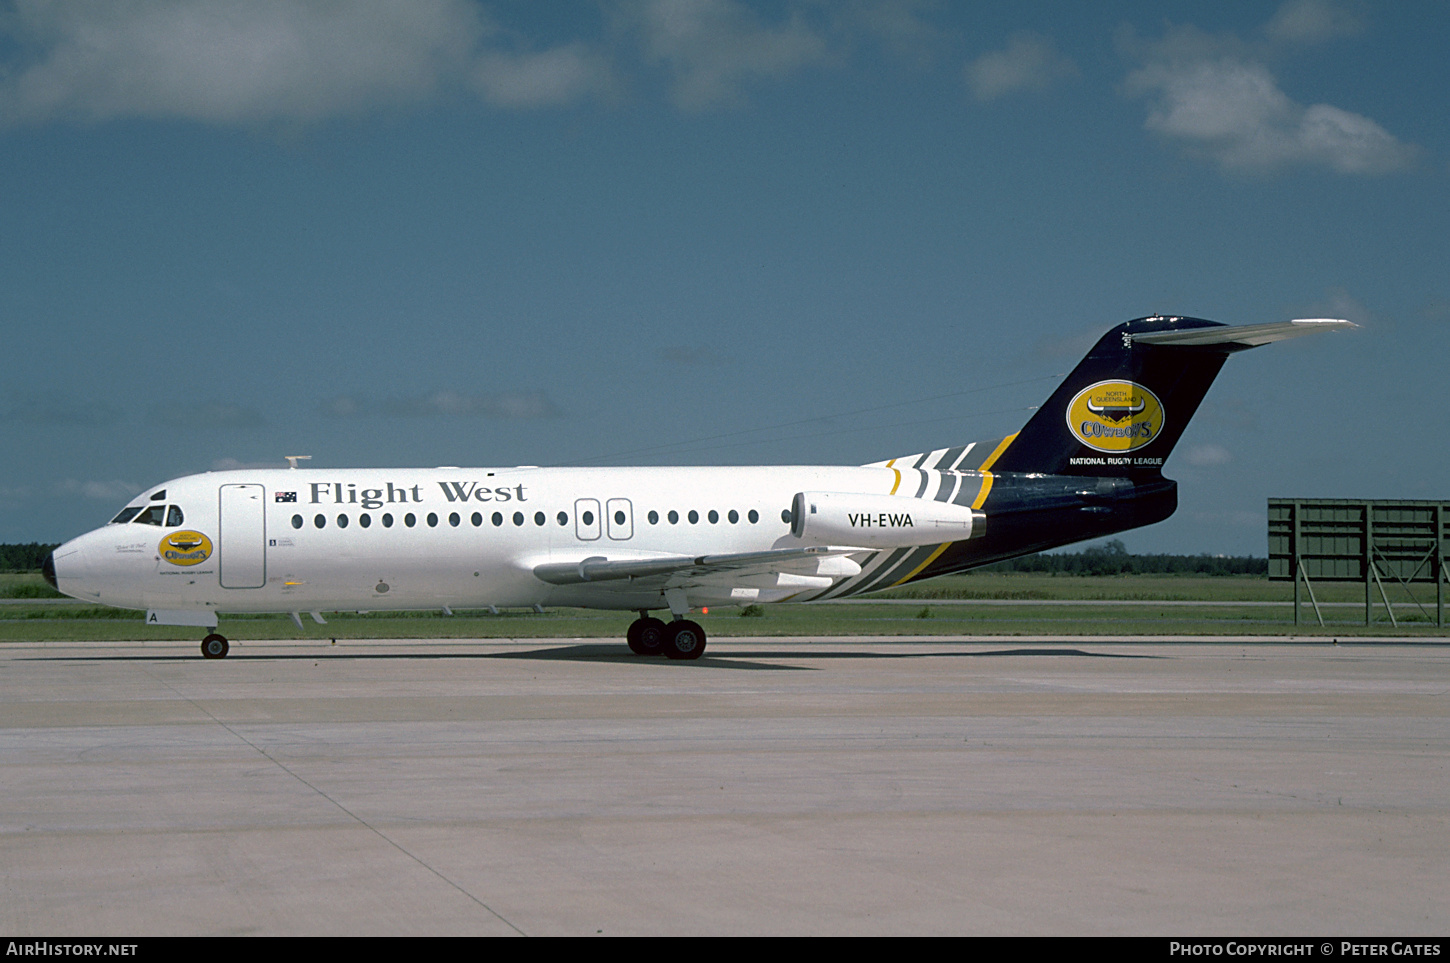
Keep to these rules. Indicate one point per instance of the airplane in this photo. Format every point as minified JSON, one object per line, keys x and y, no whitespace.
{"x":1087,"y":464}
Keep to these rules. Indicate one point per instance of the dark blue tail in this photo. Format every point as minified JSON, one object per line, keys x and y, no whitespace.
{"x":1123,"y":408}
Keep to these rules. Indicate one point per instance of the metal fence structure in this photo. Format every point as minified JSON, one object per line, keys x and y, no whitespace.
{"x":1374,"y":542}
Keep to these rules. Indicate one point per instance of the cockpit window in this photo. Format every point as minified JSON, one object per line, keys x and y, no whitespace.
{"x":126,"y":515}
{"x":150,"y":516}
{"x":173,"y":516}
{"x":159,"y":496}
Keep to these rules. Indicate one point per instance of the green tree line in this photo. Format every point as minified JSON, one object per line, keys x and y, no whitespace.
{"x":1112,"y":558}
{"x":23,"y":558}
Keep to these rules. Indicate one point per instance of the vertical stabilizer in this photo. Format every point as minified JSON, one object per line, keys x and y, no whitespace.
{"x":1125,"y":405}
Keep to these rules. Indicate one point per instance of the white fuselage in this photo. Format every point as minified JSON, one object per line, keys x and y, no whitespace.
{"x":310,"y":540}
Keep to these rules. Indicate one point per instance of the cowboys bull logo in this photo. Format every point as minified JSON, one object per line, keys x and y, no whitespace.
{"x":185,"y":548}
{"x":1115,"y":416}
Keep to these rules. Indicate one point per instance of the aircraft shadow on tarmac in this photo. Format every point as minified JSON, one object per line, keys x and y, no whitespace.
{"x":748,"y":660}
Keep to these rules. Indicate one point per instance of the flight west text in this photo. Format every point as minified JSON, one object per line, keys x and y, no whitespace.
{"x":339,"y":494}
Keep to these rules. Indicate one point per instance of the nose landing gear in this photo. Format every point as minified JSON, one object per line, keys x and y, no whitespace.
{"x":214,"y":647}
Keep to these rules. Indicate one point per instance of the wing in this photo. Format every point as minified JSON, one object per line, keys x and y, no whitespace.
{"x":829,"y":562}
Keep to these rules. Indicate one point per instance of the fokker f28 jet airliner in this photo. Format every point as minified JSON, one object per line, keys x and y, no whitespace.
{"x":1087,"y":464}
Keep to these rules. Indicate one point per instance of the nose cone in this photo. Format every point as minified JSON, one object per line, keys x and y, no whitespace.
{"x":68,"y":569}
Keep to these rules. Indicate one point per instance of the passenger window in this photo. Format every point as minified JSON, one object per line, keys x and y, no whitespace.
{"x":588,"y":519}
{"x":734,"y":516}
{"x":674,"y":517}
{"x":477,"y":519}
{"x":387,"y":519}
{"x":654,"y":518}
{"x":151,"y":515}
{"x":432,"y":520}
{"x":320,"y":521}
{"x":714,"y":516}
{"x":453,"y":519}
{"x":694,"y":516}
{"x":296,"y":521}
{"x":342,"y":521}
{"x":497,"y":519}
{"x":563,"y":518}
{"x":410,"y":519}
{"x":539,"y":518}
{"x":364,"y":519}
{"x":126,"y":515}
{"x":754,"y":516}
{"x":518,"y":518}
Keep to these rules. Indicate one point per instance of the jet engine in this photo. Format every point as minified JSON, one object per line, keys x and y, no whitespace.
{"x":880,"y":521}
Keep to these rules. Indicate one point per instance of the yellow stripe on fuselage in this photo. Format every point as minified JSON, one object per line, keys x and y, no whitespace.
{"x":929,"y":559}
{"x":986,"y":489}
{"x":977,"y":502}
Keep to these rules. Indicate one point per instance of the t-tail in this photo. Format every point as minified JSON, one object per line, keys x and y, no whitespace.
{"x":1089,"y":463}
{"x":1124,"y":407}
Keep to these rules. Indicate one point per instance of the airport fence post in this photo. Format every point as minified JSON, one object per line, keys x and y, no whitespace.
{"x":1298,"y":564}
{"x":1368,"y":565}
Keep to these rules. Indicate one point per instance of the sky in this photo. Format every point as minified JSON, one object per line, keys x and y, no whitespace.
{"x":447,"y":232}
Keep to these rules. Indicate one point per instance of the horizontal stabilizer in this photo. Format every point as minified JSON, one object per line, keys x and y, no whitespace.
{"x":1244,"y":335}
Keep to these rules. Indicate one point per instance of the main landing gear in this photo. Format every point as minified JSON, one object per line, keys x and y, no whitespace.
{"x":214,"y":647}
{"x":680,"y":639}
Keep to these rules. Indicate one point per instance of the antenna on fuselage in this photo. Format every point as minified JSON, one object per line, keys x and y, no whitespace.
{"x":294,"y":459}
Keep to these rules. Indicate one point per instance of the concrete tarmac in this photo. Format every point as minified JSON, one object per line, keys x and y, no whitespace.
{"x":778,"y":786}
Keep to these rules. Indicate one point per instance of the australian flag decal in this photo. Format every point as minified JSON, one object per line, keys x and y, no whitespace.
{"x":286,"y":496}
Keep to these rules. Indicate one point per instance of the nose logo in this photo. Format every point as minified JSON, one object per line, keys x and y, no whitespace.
{"x":185,"y":548}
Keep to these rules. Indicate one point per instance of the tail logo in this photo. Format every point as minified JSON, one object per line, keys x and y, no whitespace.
{"x":1115,"y":416}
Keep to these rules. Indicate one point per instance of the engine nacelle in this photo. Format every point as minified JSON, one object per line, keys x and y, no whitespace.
{"x":880,"y":521}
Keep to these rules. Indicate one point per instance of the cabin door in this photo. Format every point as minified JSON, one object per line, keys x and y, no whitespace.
{"x":242,"y":537}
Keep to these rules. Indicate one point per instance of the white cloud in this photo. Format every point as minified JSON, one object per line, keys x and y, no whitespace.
{"x":898,"y":25}
{"x":1029,"y":63}
{"x":110,"y":491}
{"x":51,"y":411}
{"x":205,"y":416}
{"x":259,"y":62}
{"x":1339,"y":303}
{"x":1350,"y":143}
{"x":1311,"y":22}
{"x":548,"y":78}
{"x":1216,"y":97}
{"x":1231,"y":519}
{"x":503,"y":405}
{"x":228,"y":61}
{"x":232,"y":464}
{"x":1208,"y":456}
{"x":1068,"y":346}
{"x":715,"y":47}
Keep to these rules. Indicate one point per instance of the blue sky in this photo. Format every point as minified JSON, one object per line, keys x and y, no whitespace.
{"x":429,"y":232}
